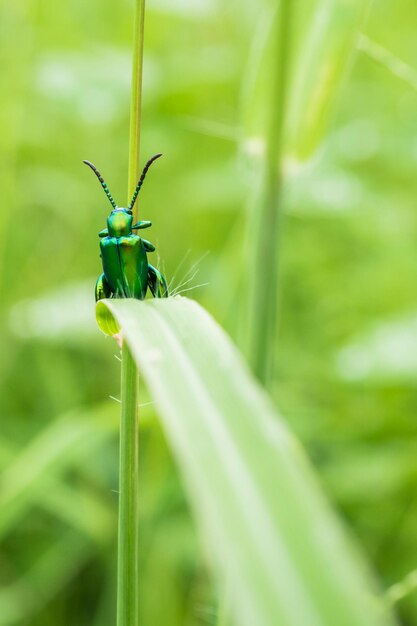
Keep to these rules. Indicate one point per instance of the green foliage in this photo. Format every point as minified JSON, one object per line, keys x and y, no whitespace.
{"x":265,"y":523}
{"x":321,"y":43}
{"x":345,"y":380}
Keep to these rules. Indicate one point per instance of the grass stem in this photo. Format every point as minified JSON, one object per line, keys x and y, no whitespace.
{"x":266,"y":220}
{"x":136,"y":98}
{"x":223,"y":609}
{"x":128,"y":540}
{"x":128,"y":574}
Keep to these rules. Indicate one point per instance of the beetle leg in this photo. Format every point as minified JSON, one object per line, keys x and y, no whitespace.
{"x":142,"y":224}
{"x":157,"y":283}
{"x":149,"y":247}
{"x":103,"y":233}
{"x":102,"y":288}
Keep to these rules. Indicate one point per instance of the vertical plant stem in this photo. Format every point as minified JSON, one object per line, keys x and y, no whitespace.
{"x":264,"y":270}
{"x":127,"y":579}
{"x":136,"y":99}
{"x":128,"y":541}
{"x":223,"y":611}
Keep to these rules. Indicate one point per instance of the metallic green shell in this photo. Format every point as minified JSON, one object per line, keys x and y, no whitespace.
{"x":125,"y":266}
{"x":126,"y":271}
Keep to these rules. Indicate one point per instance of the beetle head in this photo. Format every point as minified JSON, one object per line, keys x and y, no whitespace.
{"x":120,"y":217}
{"x":119,"y":222}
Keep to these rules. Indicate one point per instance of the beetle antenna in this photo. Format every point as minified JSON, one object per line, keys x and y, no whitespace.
{"x":142,"y":178}
{"x":103,"y":184}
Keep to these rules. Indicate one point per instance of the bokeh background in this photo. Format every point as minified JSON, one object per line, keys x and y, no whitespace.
{"x":346,"y":354}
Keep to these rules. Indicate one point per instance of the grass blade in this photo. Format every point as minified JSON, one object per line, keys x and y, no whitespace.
{"x":264,"y":225}
{"x":390,"y":61}
{"x":266,"y":525}
{"x":324,"y":54}
{"x":323,"y":46}
{"x":28,"y":478}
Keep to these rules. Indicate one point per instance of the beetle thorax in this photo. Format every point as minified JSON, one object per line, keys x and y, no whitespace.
{"x":119,"y":223}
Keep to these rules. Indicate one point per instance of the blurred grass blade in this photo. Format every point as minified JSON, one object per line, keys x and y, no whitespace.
{"x":390,"y":61}
{"x":402,"y":589}
{"x":323,"y":46}
{"x":46,"y":578}
{"x":264,"y":226}
{"x":58,"y":446}
{"x":266,"y":525}
{"x":34,"y":477}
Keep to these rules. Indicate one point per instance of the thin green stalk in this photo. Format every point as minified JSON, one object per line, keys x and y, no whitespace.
{"x":128,"y":540}
{"x":223,"y":610}
{"x":136,"y":98}
{"x":128,"y":574}
{"x":264,"y":270}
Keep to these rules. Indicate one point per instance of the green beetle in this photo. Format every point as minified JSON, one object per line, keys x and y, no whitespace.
{"x":126,"y":271}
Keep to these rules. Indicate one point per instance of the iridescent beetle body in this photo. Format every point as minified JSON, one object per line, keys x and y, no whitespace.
{"x":126,"y":270}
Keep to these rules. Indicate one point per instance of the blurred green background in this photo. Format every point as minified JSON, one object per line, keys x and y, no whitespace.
{"x":347,"y":350}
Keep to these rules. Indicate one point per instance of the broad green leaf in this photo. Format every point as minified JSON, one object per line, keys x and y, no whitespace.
{"x":267,"y":527}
